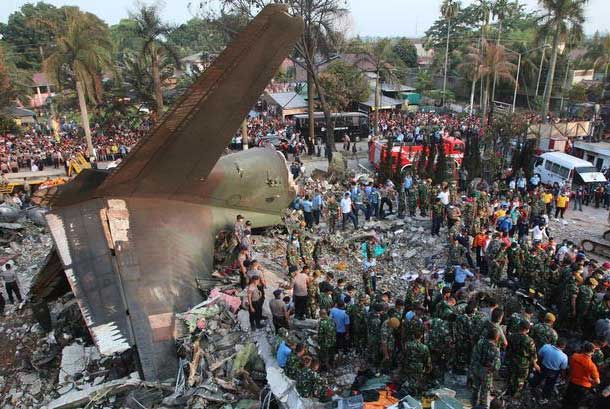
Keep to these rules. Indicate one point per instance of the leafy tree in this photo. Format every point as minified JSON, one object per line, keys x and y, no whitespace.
{"x":7,"y":92}
{"x":343,"y":84}
{"x":82,"y":50}
{"x":599,"y":52}
{"x":380,"y":53}
{"x":578,"y":93}
{"x":449,"y":10}
{"x":560,"y":17}
{"x":490,"y":60}
{"x":424,"y":81}
{"x":125,"y":38}
{"x":154,"y":34}
{"x":405,"y":52}
{"x":198,"y":35}
{"x":320,"y":38}
{"x":28,"y":40}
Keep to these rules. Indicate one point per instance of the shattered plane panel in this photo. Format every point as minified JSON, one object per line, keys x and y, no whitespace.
{"x":135,"y":243}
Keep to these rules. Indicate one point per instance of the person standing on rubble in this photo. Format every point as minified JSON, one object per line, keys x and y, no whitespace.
{"x":521,"y":357}
{"x":255,"y":303}
{"x":484,"y":363}
{"x":307,"y":206}
{"x":327,"y":340}
{"x":317,"y":206}
{"x":346,"y":211}
{"x":332,"y":209}
{"x":279,"y":311}
{"x":300,"y":283}
{"x":341,"y":319}
{"x":10,"y":283}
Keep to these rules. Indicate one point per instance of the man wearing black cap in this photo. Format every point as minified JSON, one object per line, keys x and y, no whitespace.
{"x":279,"y":311}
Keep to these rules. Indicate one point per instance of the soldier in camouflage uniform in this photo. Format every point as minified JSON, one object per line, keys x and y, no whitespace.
{"x":521,"y":357}
{"x":327,"y":339}
{"x":412,"y":204}
{"x":434,"y":190}
{"x":357,"y":319}
{"x":373,"y":336}
{"x":326,"y":299}
{"x":567,"y":309}
{"x":294,"y":364}
{"x":424,"y":199}
{"x":313,"y":296}
{"x":584,"y":302}
{"x":416,"y":364}
{"x":517,"y":317}
{"x":332,"y":207}
{"x":307,"y":249}
{"x":543,"y":332}
{"x":498,"y":263}
{"x":440,"y":342}
{"x":515,"y":260}
{"x":438,"y":214}
{"x":456,"y":254}
{"x":463,"y":329}
{"x":309,"y":383}
{"x":401,"y":203}
{"x":468,"y":216}
{"x":485,"y":362}
{"x":453,"y":192}
{"x":388,"y":341}
{"x":293,"y":256}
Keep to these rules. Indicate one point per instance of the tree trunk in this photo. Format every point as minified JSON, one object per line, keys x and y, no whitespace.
{"x":485,"y":101}
{"x":157,"y":83}
{"x":330,"y":125}
{"x":446,"y":60}
{"x":473,"y":88}
{"x":85,"y":117}
{"x":311,"y":109}
{"x":376,"y":124}
{"x":244,"y":134}
{"x":548,"y":89}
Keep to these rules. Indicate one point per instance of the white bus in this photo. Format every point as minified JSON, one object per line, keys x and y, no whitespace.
{"x":566,"y":170}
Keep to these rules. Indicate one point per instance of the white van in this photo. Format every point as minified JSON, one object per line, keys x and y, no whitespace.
{"x":566,"y":170}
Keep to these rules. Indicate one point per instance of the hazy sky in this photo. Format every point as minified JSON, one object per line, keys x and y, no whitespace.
{"x":369,"y":17}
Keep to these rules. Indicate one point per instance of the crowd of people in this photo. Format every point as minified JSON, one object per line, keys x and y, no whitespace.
{"x":40,"y":147}
{"x":513,"y":303}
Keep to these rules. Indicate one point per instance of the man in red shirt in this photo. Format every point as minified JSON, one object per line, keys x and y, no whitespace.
{"x":583,"y":376}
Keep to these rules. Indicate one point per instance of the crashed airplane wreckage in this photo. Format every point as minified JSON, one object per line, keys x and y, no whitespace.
{"x":136,"y":244}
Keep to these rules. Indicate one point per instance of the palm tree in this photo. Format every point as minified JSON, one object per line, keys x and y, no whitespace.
{"x":82,"y":50}
{"x":381,"y":54}
{"x":599,"y":52}
{"x":560,"y":17}
{"x":154,"y":33}
{"x":449,"y":10}
{"x":489,"y":61}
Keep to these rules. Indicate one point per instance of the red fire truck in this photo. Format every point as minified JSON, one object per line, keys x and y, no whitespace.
{"x":405,"y":155}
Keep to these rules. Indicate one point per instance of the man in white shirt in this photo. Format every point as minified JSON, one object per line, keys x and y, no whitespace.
{"x":444,"y":196}
{"x":346,"y":211}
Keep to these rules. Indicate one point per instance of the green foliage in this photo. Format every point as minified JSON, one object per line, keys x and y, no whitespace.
{"x":198,"y":36}
{"x":82,"y":51}
{"x":7,"y":125}
{"x":28,"y":38}
{"x":424,"y":81}
{"x":578,"y":93}
{"x":343,"y":84}
{"x":405,"y":52}
{"x":472,"y":156}
{"x":124,"y":37}
{"x":437,"y":94}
